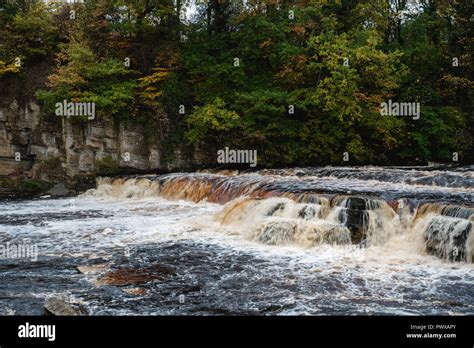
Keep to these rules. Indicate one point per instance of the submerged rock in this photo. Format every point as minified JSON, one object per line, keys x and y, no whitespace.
{"x":59,"y":190}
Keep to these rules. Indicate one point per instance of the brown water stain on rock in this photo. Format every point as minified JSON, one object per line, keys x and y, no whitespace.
{"x":130,"y":276}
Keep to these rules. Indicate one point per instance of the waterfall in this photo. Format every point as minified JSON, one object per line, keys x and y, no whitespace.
{"x":276,"y":210}
{"x":279,"y":221}
{"x":446,"y":230}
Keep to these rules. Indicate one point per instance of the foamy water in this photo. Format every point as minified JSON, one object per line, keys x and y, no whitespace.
{"x":251,"y":256}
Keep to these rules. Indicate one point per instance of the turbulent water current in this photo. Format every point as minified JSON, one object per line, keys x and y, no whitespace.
{"x":318,"y":241}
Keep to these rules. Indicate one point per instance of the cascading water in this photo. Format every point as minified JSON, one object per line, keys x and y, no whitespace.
{"x":281,"y":210}
{"x":309,"y":240}
{"x":447,"y":230}
{"x":280,"y":221}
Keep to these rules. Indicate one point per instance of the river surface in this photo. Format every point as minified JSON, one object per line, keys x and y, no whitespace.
{"x":266,"y":243}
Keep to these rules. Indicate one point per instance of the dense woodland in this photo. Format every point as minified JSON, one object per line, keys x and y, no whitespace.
{"x":299,"y":81}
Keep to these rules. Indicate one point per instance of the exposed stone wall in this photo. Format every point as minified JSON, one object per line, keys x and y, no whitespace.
{"x":56,"y":148}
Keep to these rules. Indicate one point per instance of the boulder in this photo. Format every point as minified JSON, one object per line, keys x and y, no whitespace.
{"x":59,"y":305}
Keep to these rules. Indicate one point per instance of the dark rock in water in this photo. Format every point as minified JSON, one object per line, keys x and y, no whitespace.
{"x":307,"y":212}
{"x":356,"y":203}
{"x":447,"y":237}
{"x":277,"y":207}
{"x":59,"y":190}
{"x":355,"y":215}
{"x":62,"y":306}
{"x":355,"y":221}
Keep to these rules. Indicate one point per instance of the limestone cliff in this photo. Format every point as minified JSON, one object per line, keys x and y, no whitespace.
{"x":47,"y":147}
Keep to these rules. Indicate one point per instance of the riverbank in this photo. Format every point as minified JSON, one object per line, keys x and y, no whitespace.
{"x":21,"y":188}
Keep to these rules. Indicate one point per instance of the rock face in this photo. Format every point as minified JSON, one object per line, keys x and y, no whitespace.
{"x":52,"y":148}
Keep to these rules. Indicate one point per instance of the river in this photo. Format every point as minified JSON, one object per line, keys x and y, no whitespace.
{"x":301,"y":241}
